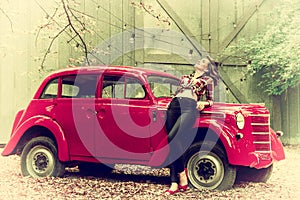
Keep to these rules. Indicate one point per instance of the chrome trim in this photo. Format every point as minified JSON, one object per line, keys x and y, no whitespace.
{"x":260,"y":124}
{"x":255,"y":142}
{"x":263,"y":146}
{"x":263,"y":151}
{"x":259,"y":115}
{"x":261,"y":133}
{"x":210,"y":112}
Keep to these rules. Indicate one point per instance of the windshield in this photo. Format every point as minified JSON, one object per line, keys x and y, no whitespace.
{"x":162,"y":86}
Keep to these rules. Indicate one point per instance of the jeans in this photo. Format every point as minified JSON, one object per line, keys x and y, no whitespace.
{"x":181,"y":116}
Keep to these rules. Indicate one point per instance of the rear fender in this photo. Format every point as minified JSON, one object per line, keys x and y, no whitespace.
{"x":43,"y":121}
{"x":17,"y":119}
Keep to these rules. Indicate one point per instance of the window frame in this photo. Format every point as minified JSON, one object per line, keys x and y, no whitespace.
{"x":125,"y":77}
{"x":172,"y":86}
{"x":94,"y":95}
{"x":46,"y":87}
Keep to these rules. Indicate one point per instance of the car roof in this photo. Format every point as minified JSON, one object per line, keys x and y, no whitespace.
{"x":101,"y":68}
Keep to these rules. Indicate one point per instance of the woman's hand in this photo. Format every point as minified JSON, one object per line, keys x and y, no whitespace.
{"x":167,"y":106}
{"x":200,"y":105}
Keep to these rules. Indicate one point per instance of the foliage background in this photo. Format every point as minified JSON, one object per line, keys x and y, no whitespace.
{"x":273,"y":53}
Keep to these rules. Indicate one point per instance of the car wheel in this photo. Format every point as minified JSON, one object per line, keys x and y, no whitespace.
{"x":208,"y":167}
{"x":39,"y":159}
{"x":254,"y":175}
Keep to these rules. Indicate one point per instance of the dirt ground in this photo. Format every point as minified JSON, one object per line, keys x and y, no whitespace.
{"x":136,"y":182}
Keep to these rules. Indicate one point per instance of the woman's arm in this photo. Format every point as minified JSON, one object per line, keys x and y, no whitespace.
{"x":209,"y":96}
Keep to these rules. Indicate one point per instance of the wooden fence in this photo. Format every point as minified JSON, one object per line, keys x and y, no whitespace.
{"x":140,"y":36}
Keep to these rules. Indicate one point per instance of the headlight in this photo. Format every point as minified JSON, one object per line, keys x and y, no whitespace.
{"x":240,"y":120}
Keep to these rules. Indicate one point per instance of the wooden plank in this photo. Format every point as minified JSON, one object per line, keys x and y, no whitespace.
{"x":205,"y":22}
{"x":214,"y":27}
{"x":231,"y":86}
{"x":293,"y":112}
{"x":185,"y":30}
{"x":240,"y":25}
{"x":165,"y":58}
{"x":180,"y":24}
{"x":277,"y":116}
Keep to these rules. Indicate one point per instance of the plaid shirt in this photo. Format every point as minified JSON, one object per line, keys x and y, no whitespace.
{"x":202,"y":85}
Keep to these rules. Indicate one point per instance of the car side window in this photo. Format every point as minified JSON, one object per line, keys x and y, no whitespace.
{"x":51,"y":89}
{"x":113,"y":87}
{"x":79,"y":86}
{"x":162,"y":86}
{"x":122,"y":88}
{"x":134,"y":89}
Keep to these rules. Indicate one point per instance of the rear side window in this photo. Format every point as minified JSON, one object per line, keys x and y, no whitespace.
{"x":79,"y":86}
{"x":50,"y":90}
{"x":113,"y":87}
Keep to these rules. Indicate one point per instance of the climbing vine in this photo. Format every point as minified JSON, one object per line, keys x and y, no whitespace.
{"x":273,"y":54}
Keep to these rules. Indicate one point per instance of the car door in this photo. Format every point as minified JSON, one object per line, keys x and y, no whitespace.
{"x":162,"y":89}
{"x":124,"y":118}
{"x":75,"y":112}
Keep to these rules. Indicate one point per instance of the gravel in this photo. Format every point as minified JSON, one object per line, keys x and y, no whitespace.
{"x":138,"y":182}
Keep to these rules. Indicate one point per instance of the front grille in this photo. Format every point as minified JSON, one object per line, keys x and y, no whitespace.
{"x":261,"y":132}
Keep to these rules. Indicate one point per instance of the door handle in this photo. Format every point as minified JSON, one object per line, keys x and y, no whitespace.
{"x":154,"y":116}
{"x":91,"y":111}
{"x":101,"y":113}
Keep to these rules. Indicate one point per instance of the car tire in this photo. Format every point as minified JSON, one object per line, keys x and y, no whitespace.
{"x":254,"y":175}
{"x":39,"y":159}
{"x":208,"y":167}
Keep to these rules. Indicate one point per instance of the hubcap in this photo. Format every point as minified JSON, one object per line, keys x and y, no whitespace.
{"x":206,"y":170}
{"x":40,"y":161}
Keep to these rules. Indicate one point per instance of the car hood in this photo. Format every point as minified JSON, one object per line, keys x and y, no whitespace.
{"x":228,"y":108}
{"x":232,"y":108}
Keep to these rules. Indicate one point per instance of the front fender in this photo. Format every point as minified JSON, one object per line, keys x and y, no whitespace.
{"x":223,"y":132}
{"x":277,"y":147}
{"x":242,"y":152}
{"x":43,"y":121}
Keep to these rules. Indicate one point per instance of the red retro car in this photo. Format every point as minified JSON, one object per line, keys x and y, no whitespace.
{"x":115,"y":114}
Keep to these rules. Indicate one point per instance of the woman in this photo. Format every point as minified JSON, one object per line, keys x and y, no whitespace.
{"x":181,"y":116}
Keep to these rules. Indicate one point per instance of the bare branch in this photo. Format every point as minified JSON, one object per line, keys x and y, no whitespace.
{"x":45,"y":25}
{"x":82,"y":13}
{"x":11,"y":24}
{"x":50,"y":45}
{"x":76,"y":32}
{"x":76,"y":18}
{"x":149,"y":9}
{"x":63,"y":29}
